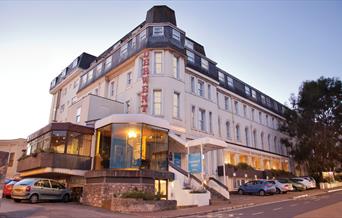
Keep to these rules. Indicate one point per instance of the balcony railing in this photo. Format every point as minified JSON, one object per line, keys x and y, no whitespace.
{"x":54,"y":160}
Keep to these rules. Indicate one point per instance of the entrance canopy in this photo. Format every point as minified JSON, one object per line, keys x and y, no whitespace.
{"x":205,"y":144}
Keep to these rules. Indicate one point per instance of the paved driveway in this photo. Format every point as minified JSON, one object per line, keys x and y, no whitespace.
{"x":10,"y":209}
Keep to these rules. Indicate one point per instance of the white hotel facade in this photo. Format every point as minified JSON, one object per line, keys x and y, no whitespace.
{"x":158,"y":78}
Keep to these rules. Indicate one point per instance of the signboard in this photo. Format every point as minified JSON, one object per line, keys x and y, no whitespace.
{"x":3,"y":169}
{"x":177,"y":159}
{"x":195,"y":165}
{"x":145,"y":81}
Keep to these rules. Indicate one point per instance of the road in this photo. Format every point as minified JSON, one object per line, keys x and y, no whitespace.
{"x":321,"y":206}
{"x":9,"y":209}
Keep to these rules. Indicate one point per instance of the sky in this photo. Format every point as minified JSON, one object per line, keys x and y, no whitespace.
{"x":272,"y":45}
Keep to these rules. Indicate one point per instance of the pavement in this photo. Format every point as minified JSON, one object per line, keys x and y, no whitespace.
{"x":252,"y":205}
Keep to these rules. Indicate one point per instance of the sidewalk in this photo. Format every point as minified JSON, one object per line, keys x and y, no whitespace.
{"x":237,"y":201}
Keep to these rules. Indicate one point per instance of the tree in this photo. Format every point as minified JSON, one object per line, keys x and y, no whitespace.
{"x":314,"y":125}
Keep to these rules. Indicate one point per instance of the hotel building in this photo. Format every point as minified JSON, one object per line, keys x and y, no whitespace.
{"x":149,"y":111}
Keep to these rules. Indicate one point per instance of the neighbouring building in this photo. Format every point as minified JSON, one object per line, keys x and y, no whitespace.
{"x":149,"y":110}
{"x":14,"y":148}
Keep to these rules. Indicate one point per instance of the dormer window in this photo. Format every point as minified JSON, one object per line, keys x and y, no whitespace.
{"x":230,"y":81}
{"x":108,"y":62}
{"x":123,"y":50}
{"x":204,"y":64}
{"x":142,"y":35}
{"x":221,"y":77}
{"x":134,"y":42}
{"x":189,"y":44}
{"x":116,"y":45}
{"x":175,"y":34}
{"x":158,"y":31}
{"x":263,"y":100}
{"x":191,"y":56}
{"x":99,"y":68}
{"x":64,"y":73}
{"x":90,"y":75}
{"x":254,"y":94}
{"x":74,"y":63}
{"x":247,"y":90}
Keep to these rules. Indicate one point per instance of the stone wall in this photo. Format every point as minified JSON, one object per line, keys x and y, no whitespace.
{"x":138,"y":205}
{"x":101,"y":194}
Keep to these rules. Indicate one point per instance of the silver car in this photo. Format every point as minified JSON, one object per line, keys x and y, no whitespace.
{"x":283,"y":186}
{"x":36,"y":189}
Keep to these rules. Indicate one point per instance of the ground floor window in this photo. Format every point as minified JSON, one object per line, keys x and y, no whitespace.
{"x":160,"y":187}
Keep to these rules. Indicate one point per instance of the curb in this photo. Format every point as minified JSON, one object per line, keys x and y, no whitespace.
{"x":300,"y":196}
{"x":334,"y":190}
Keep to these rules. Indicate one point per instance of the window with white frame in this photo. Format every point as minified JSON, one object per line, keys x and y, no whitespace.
{"x":247,"y":136}
{"x":158,"y":31}
{"x":189,"y":44}
{"x":142,"y":35}
{"x":226,"y":102}
{"x":210,"y":122}
{"x":262,"y":140}
{"x":228,"y":135}
{"x":269,"y":142}
{"x":268,"y":101}
{"x":158,"y":63}
{"x":266,"y":118}
{"x":221,"y":77}
{"x":253,"y":114}
{"x":255,"y":141}
{"x":123,"y":50}
{"x":236,"y":105}
{"x":247,"y":90}
{"x":129,"y":78}
{"x":209,"y":91}
{"x":112,"y":88}
{"x":175,"y":34}
{"x":204,"y":64}
{"x":192,"y":81}
{"x":193,"y":111}
{"x":230,"y":81}
{"x":260,"y":117}
{"x":108,"y":62}
{"x":157,"y":102}
{"x":78,"y":115}
{"x":64,"y":72}
{"x":200,"y":88}
{"x":175,"y":66}
{"x":201,"y":119}
{"x":84,"y":79}
{"x":245,"y":111}
{"x":237,"y":132}
{"x":176,"y":106}
{"x":191,"y":56}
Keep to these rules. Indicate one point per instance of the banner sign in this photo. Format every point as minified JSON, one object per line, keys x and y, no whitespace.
{"x":195,"y":165}
{"x":145,"y":81}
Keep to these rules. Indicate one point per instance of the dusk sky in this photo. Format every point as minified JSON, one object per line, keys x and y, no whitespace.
{"x":273,"y":46}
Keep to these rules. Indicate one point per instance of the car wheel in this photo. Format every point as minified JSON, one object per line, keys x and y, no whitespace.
{"x":278,"y":191}
{"x":241,"y":192}
{"x":34,"y":199}
{"x":66,"y":198}
{"x":261,"y":192}
{"x":17,"y":200}
{"x":284,"y":192}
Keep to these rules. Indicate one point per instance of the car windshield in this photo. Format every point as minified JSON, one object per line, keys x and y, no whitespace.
{"x":25,"y":182}
{"x":282,"y":180}
{"x":11,"y":183}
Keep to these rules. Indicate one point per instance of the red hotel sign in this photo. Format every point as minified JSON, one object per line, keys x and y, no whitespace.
{"x":145,"y":78}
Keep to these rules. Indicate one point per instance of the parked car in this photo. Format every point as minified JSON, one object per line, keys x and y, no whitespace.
{"x":36,"y":189}
{"x":311,"y":180}
{"x":296,"y":186}
{"x":260,"y":187}
{"x":302,"y":181}
{"x":8,"y":189}
{"x":283,"y":186}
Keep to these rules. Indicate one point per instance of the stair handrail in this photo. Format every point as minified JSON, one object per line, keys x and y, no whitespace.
{"x":185,"y":173}
{"x":219,"y":183}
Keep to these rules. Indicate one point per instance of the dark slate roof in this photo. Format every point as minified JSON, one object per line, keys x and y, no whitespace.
{"x":161,"y":14}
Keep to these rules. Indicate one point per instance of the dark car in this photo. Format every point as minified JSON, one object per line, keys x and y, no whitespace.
{"x":260,"y":187}
{"x":36,"y":189}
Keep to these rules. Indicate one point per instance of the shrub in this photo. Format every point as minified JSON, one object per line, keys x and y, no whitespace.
{"x":244,"y":166}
